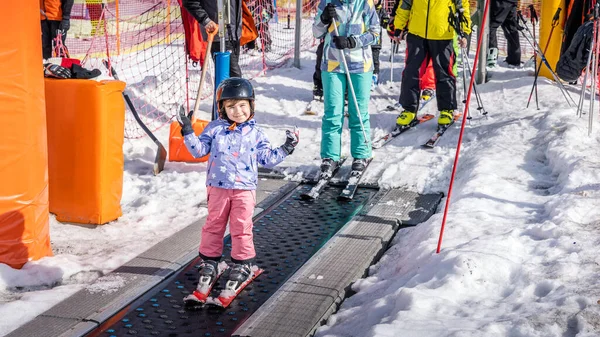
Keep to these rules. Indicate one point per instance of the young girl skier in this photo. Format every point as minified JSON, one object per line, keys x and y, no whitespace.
{"x":236,"y":147}
{"x":358,"y":28}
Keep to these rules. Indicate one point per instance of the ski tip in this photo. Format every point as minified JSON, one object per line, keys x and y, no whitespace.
{"x":216,"y":301}
{"x":307,"y":197}
{"x":192,"y":302}
{"x":344,"y":198}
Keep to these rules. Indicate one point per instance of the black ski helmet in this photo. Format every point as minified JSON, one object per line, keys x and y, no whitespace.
{"x":235,"y":88}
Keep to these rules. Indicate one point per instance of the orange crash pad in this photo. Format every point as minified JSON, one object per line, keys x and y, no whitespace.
{"x":86,"y":122}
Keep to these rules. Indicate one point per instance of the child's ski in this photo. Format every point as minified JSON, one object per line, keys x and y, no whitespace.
{"x":197,"y":299}
{"x":432,"y":142}
{"x":316,"y":190}
{"x":227,"y":295}
{"x":353,"y":181}
{"x":380,"y":142}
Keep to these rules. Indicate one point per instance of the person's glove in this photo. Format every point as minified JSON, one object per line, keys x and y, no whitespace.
{"x":185,"y":122}
{"x":291,"y":141}
{"x":396,"y":34}
{"x":56,"y":71}
{"x":391,"y":28}
{"x":343,"y":42}
{"x":328,"y":14}
{"x":251,"y":44}
{"x":64,"y":25}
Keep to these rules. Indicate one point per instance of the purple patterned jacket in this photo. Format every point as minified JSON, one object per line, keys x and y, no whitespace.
{"x":234,"y":155}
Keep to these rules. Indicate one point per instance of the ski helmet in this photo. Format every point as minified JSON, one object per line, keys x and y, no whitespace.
{"x":235,"y":88}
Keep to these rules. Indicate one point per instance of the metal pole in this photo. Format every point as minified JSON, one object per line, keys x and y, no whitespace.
{"x":588,"y":68}
{"x":392,"y":60}
{"x":481,"y":75}
{"x":222,"y":25}
{"x":298,"y":33}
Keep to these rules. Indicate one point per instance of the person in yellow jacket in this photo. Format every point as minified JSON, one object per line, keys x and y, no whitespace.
{"x":429,"y":36}
{"x":55,"y":16}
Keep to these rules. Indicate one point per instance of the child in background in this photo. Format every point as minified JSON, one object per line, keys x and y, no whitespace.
{"x":358,"y":27}
{"x":384,"y":19}
{"x":236,"y":146}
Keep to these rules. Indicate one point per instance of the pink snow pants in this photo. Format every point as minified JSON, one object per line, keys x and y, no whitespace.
{"x":238,"y":207}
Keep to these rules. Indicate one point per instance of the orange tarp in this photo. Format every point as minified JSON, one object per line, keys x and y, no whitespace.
{"x":24,"y":228}
{"x":177,"y":149}
{"x":85,"y":149}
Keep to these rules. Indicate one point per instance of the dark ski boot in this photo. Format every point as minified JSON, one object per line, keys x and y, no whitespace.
{"x":317,"y":92}
{"x":328,"y":167}
{"x":359,"y":164}
{"x":239,"y":274}
{"x":207,"y":273}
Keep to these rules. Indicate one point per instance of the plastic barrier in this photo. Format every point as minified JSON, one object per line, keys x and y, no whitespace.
{"x":85,"y":149}
{"x":24,"y":229}
{"x":553,"y":53}
{"x":177,"y":149}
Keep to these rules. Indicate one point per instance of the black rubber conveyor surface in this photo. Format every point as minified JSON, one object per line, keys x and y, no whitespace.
{"x":285,"y":237}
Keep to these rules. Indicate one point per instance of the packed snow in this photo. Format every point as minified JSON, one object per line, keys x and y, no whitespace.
{"x":520,"y":247}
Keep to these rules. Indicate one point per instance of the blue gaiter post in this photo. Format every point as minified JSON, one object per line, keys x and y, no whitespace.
{"x":221,"y":73}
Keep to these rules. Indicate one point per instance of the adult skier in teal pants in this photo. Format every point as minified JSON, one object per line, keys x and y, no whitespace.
{"x":358,"y":27}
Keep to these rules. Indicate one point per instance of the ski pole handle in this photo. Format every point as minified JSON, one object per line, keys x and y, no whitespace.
{"x":207,"y":59}
{"x":533,"y":14}
{"x":556,"y":17}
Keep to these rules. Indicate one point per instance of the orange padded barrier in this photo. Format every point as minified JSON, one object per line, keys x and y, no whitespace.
{"x":86,"y":121}
{"x":177,"y":149}
{"x":24,"y":228}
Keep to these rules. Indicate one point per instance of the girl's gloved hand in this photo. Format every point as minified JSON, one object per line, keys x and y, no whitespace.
{"x":185,"y":122}
{"x":291,"y":141}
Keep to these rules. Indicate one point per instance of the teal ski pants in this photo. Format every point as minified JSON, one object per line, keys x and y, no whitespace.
{"x":335,"y":86}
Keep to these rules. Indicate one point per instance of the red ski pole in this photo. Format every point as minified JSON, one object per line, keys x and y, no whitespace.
{"x":464,"y":120}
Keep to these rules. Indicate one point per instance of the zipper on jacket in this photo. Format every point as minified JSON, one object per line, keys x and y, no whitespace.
{"x":427,"y":18}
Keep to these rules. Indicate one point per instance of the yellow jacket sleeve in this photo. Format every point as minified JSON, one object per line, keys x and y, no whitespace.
{"x":402,"y":14}
{"x":466,"y":26}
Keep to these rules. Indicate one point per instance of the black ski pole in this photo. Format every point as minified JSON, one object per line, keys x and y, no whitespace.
{"x":539,"y":66}
{"x":480,"y":106}
{"x":455,"y":20}
{"x":534,"y":20}
{"x":536,"y":47}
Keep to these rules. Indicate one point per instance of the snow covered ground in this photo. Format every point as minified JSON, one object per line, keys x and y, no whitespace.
{"x":520,"y":250}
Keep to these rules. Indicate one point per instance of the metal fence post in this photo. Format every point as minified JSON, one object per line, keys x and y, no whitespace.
{"x":481,"y":75}
{"x":298,"y":34}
